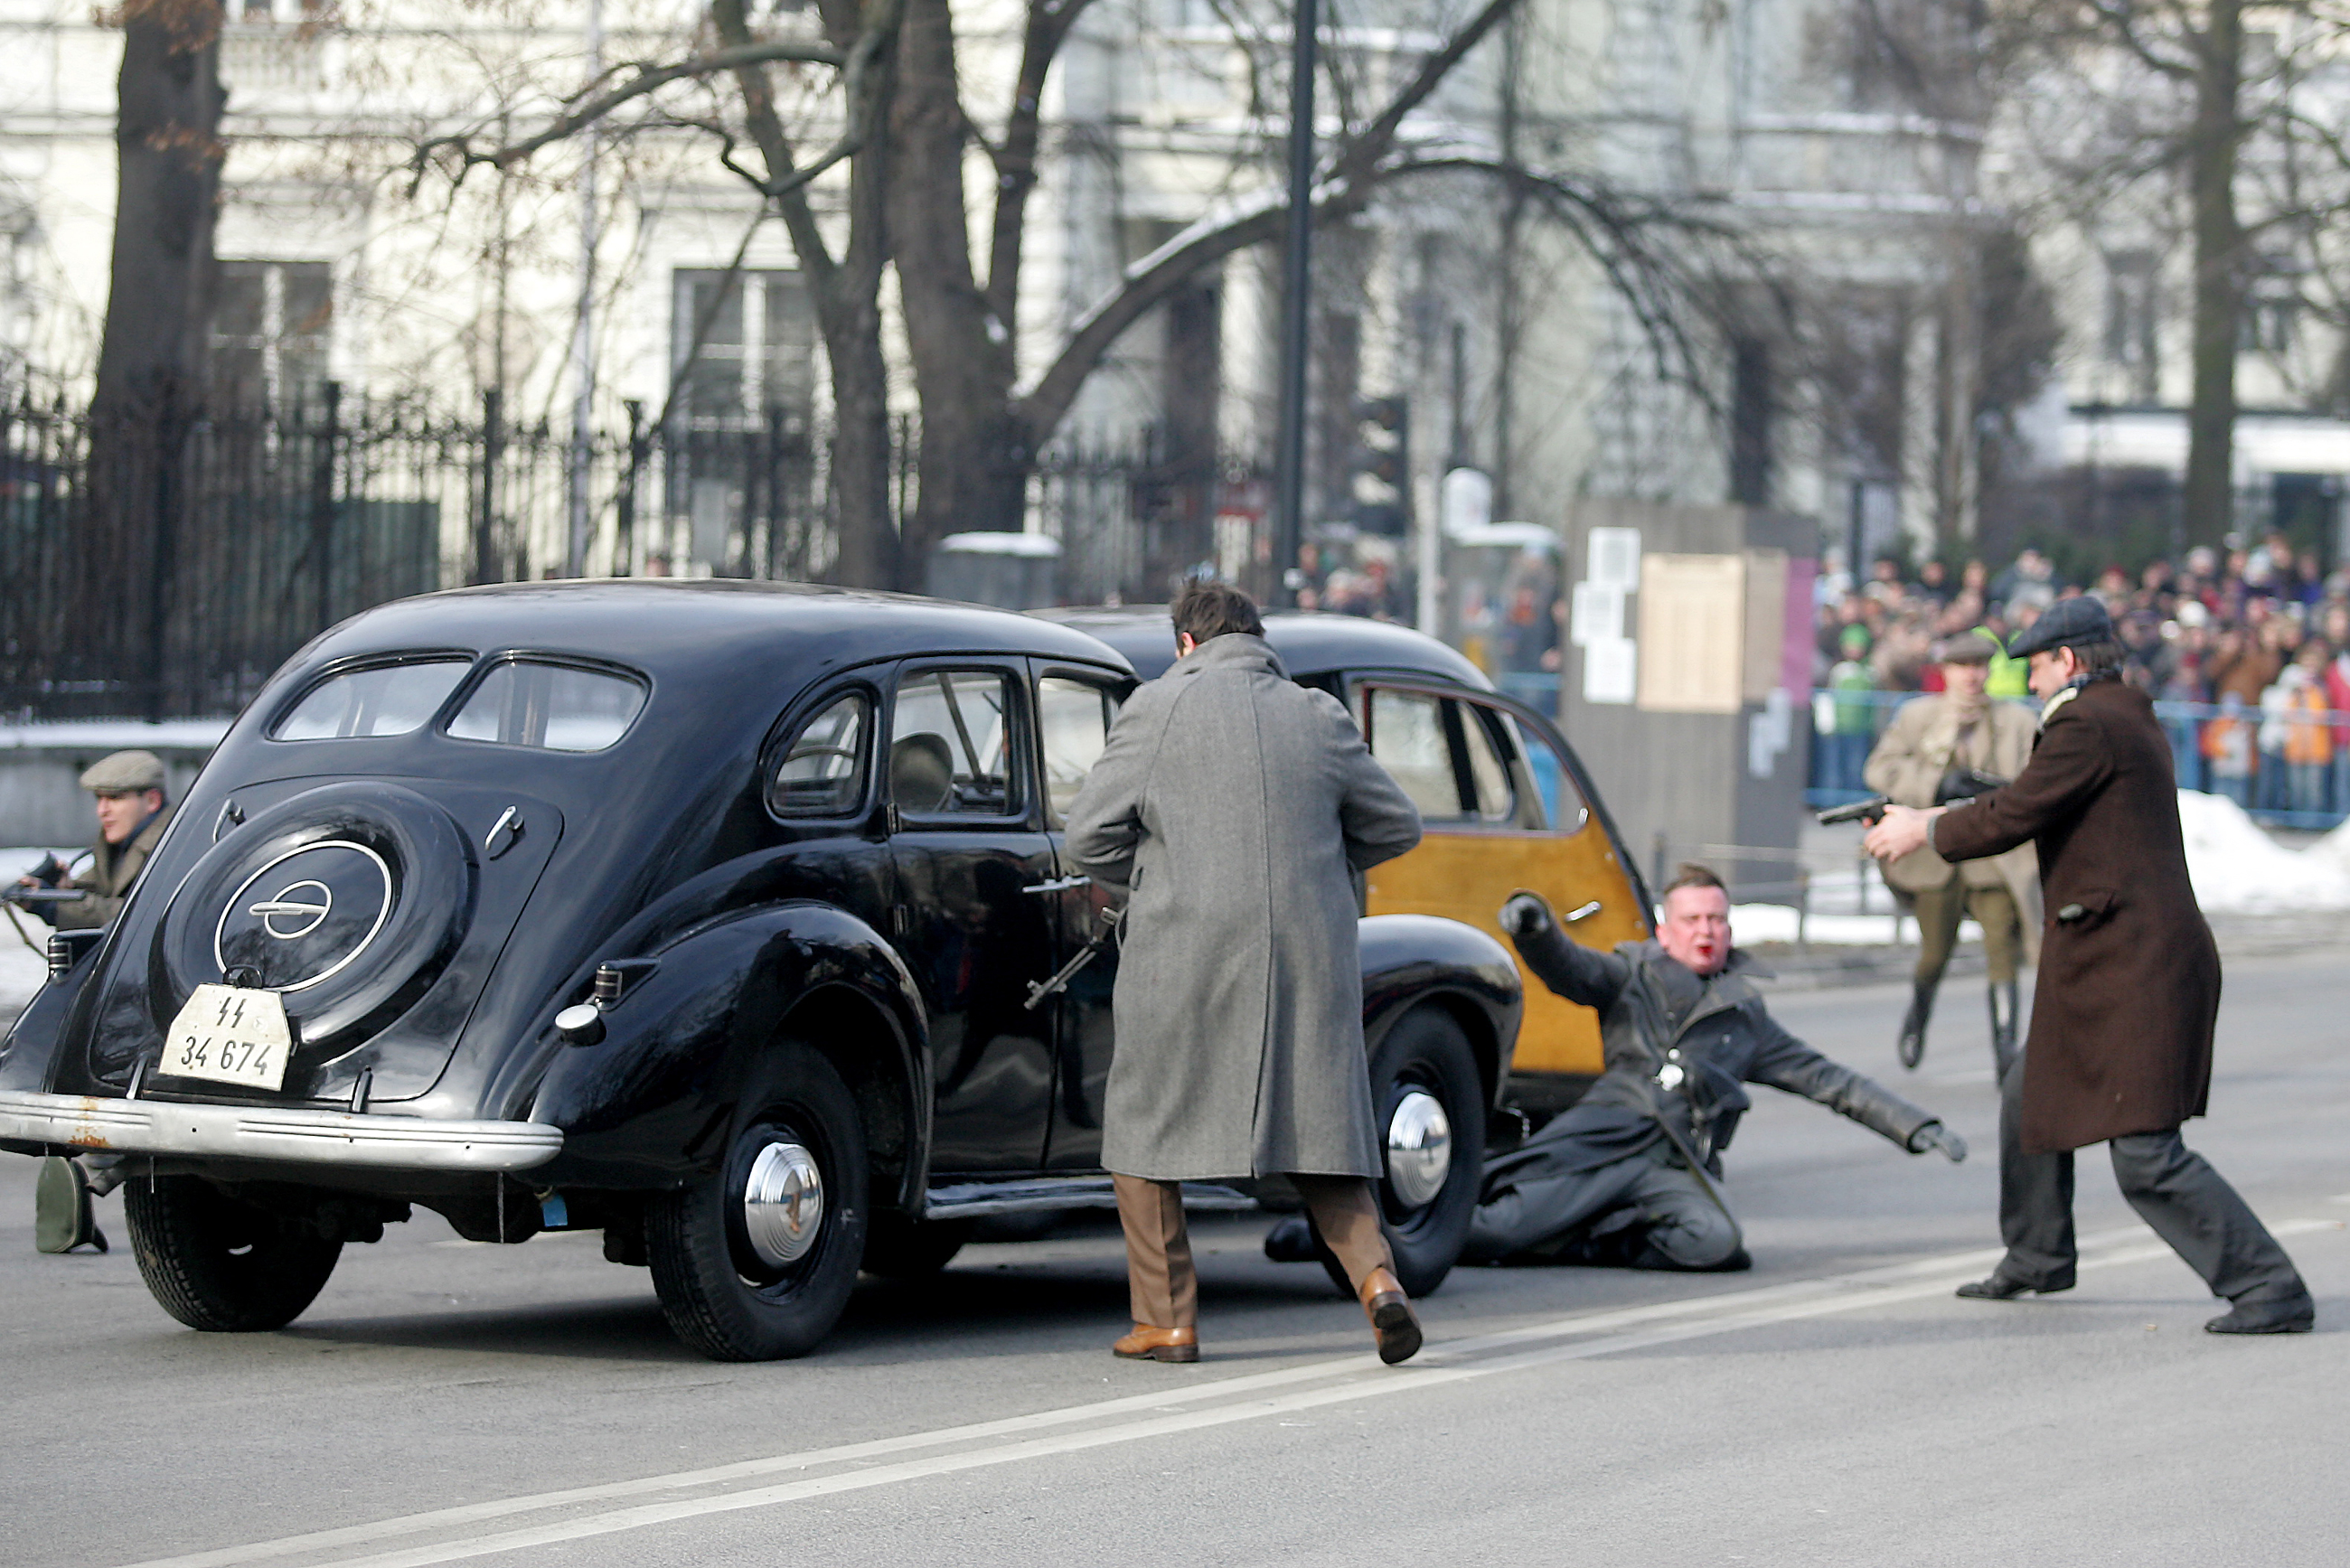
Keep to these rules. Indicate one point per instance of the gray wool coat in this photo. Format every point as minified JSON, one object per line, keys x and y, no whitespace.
{"x":1233,"y":808}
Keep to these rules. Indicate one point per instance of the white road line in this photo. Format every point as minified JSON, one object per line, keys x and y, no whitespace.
{"x":1356,"y":1377}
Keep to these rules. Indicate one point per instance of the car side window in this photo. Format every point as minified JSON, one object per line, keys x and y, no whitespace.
{"x":823,"y":770}
{"x":1440,"y":750}
{"x":949,"y":744}
{"x":1406,"y":730}
{"x":1073,"y":718}
{"x":1552,"y":798}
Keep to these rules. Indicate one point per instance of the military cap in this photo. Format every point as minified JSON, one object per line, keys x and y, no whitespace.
{"x":1966,"y":647}
{"x":124,"y":772}
{"x":2068,"y":622}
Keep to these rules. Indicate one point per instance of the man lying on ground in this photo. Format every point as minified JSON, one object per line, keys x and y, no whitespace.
{"x":1628,"y":1177}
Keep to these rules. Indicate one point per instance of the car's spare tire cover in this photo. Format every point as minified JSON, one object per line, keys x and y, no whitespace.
{"x":347,"y":900}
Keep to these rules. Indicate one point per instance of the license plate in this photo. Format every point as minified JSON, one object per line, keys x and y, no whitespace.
{"x":231,"y":1034}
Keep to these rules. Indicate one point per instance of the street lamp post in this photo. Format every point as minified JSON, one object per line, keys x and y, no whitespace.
{"x":1289,"y":498}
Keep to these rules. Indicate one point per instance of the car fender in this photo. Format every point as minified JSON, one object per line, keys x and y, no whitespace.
{"x":28,"y":1049}
{"x":1409,"y":961}
{"x":651,"y":1104}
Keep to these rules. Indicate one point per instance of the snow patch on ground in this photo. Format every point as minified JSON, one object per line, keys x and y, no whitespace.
{"x":116,"y":734}
{"x":2237,"y":869}
{"x":1753,"y":923}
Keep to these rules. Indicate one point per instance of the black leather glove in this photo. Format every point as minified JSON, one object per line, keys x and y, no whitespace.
{"x":1526,"y":915}
{"x":1935,"y":1136}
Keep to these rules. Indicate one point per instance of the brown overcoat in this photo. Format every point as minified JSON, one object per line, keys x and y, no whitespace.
{"x":2129,"y":979}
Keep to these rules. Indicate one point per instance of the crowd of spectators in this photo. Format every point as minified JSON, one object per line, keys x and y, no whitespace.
{"x":2246,"y":652}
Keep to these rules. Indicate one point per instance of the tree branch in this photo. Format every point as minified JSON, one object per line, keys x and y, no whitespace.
{"x":1353,"y":174}
{"x":649,"y":78}
{"x":1048,"y":27}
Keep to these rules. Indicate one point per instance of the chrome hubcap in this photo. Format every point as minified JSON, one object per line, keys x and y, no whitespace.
{"x":783,"y":1204}
{"x":1420,"y":1148}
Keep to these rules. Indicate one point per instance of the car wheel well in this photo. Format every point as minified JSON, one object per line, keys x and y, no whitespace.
{"x":1475,"y":1021}
{"x":842,"y":1026}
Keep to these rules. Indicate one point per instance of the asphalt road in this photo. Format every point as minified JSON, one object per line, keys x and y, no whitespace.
{"x":445,"y":1401}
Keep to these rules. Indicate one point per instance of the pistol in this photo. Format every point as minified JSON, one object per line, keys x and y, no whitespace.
{"x":1870,"y":811}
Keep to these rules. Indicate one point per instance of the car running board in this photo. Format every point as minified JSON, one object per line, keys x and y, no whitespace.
{"x":1030,"y":1194}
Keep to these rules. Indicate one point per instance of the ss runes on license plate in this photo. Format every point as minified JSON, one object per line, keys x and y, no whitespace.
{"x":232,"y":1034}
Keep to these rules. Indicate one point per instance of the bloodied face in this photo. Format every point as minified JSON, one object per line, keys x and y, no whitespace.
{"x":1696,"y":928}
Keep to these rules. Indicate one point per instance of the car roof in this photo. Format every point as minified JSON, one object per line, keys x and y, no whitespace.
{"x":709,"y":627}
{"x":1310,"y":642}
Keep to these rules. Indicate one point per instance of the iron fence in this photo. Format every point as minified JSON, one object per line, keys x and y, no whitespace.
{"x":166,"y":571}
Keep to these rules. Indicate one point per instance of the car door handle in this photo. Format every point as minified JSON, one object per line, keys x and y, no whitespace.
{"x":1058,"y":885}
{"x":1584,"y":913}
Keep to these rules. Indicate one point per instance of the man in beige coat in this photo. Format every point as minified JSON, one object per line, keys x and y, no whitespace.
{"x":1960,"y":728}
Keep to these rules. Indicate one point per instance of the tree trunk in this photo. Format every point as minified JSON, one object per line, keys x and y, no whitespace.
{"x":168,"y":152}
{"x":849,"y":312}
{"x":151,"y":366}
{"x":846,"y":293}
{"x":976,"y":453}
{"x":2209,"y":502}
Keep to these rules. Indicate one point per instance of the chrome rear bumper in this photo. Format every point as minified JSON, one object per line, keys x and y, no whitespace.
{"x":263,"y":1132}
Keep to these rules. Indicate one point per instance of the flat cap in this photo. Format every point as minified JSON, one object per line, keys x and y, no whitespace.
{"x":124,"y":772}
{"x":1966,"y":647}
{"x":2071,"y":621}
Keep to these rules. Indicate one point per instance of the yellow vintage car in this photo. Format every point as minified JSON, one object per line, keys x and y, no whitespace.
{"x":1504,"y":800}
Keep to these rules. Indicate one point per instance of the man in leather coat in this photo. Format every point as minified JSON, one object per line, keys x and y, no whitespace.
{"x":1628,"y":1176}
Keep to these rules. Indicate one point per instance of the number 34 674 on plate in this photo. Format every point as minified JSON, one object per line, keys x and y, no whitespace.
{"x":232,"y":1034}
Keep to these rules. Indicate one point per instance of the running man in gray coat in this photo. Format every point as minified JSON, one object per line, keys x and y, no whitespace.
{"x":1234,"y":807}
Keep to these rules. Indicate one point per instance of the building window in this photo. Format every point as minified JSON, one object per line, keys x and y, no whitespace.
{"x":2272,"y":308}
{"x":272,"y":322}
{"x":757,"y":353}
{"x":2131,"y":313}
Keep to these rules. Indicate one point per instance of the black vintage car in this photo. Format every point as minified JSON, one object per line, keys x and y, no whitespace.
{"x":726,"y":919}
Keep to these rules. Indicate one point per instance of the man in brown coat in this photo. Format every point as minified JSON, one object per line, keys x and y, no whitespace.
{"x":2120,"y":1046}
{"x":1922,"y":760}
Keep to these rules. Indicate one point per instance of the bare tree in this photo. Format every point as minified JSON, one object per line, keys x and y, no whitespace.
{"x":2206,"y":104}
{"x":906,"y":137}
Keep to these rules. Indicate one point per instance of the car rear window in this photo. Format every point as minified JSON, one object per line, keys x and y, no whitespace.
{"x":377,"y":700}
{"x":552,"y":707}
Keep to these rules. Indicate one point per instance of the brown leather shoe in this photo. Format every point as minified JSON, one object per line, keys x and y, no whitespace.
{"x":1148,"y":1342}
{"x":1393,"y":1323}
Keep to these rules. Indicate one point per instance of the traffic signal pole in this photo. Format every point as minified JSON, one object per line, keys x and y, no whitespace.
{"x":1289,"y":495}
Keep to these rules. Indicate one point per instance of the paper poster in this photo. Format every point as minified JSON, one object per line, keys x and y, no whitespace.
{"x":1597,"y":614}
{"x":1610,"y":671}
{"x":1692,"y":633}
{"x":1613,"y":558}
{"x":1766,"y":619}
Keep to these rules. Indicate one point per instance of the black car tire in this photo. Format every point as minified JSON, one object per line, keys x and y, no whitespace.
{"x":219,"y":1264}
{"x":897,"y":1248}
{"x":1427,"y":1052}
{"x":721,"y":1297}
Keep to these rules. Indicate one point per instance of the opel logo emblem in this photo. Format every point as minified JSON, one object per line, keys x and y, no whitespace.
{"x":302,"y":915}
{"x":332,"y":900}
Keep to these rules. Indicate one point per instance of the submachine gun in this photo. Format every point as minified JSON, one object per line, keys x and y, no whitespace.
{"x":1960,"y":786}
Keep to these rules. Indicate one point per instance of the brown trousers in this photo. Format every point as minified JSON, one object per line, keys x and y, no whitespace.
{"x":1159,"y":1277}
{"x":1938,"y":910}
